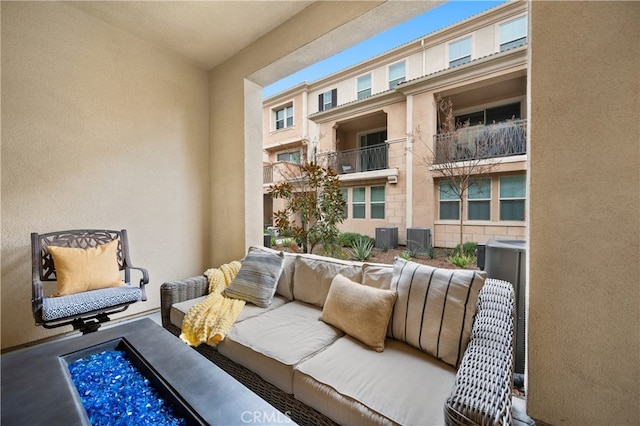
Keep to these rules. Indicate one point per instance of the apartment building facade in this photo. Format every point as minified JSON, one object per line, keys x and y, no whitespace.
{"x":377,"y":124}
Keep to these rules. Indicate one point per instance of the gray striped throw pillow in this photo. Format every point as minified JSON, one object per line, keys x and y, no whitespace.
{"x":435,"y":308}
{"x":257,"y":279}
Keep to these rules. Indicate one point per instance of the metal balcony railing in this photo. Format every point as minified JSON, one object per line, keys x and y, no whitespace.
{"x":481,"y":142}
{"x":267,"y":174}
{"x":356,"y":160}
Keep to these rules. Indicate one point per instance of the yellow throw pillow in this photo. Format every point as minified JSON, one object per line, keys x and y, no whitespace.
{"x":79,"y":270}
{"x":361,"y":311}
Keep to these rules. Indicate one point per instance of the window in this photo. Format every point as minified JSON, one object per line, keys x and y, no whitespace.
{"x":292,"y":157}
{"x":490,"y":115}
{"x":364,"y":86}
{"x":479,"y":200}
{"x":460,"y":52}
{"x":358,"y":203}
{"x":284,"y":117}
{"x":377,"y":202}
{"x":396,"y":74}
{"x":513,"y":34}
{"x":449,"y":202}
{"x":345,"y":196}
{"x":328,"y":100}
{"x":513,"y":193}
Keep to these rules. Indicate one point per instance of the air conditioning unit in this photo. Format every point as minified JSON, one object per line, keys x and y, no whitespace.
{"x":418,"y":240}
{"x":387,"y":238}
{"x":506,"y":260}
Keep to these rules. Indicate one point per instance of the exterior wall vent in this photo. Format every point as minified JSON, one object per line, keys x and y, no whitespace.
{"x":418,"y":240}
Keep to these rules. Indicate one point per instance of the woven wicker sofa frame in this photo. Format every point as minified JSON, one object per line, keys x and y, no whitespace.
{"x":482,"y":390}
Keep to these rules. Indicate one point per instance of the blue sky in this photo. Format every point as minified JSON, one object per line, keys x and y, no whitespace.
{"x":433,"y":20}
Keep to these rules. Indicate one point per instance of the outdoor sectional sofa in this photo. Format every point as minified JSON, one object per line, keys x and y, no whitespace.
{"x":292,"y":354}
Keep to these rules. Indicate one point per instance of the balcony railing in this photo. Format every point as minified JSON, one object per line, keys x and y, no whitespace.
{"x":356,"y":160}
{"x":481,"y":142}
{"x":267,"y":174}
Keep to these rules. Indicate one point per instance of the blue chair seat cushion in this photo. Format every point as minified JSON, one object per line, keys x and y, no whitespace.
{"x":54,"y":308}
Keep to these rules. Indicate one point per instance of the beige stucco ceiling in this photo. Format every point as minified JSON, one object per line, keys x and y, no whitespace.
{"x":204,"y":32}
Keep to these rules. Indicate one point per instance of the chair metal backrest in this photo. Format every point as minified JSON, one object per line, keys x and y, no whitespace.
{"x":43,"y":270}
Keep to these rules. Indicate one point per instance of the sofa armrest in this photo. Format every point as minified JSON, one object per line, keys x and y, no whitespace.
{"x":482,"y":391}
{"x":178,"y":291}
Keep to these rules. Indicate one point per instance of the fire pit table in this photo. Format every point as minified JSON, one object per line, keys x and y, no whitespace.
{"x":37,"y":388}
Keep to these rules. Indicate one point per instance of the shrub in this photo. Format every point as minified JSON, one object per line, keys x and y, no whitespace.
{"x":362,"y":249}
{"x":433,"y":253}
{"x":406,"y":255}
{"x":461,"y":261}
{"x":468,"y":248}
{"x":346,"y":239}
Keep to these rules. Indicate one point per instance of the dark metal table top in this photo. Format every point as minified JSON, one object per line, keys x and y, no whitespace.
{"x":36,"y":388}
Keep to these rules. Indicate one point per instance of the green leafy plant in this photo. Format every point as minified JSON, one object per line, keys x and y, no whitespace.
{"x":346,"y":239}
{"x":406,"y":255}
{"x":314,"y":206}
{"x":433,"y":253}
{"x":468,"y":248}
{"x":461,"y":261}
{"x":361,"y":249}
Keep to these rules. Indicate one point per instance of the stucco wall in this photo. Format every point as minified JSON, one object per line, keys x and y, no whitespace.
{"x":584,"y":308}
{"x":99,"y":130}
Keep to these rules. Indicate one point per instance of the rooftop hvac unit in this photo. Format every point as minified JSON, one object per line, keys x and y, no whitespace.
{"x":418,"y":240}
{"x":506,"y":260}
{"x":387,"y":238}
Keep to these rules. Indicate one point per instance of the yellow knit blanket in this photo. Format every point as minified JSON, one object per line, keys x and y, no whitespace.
{"x":210,"y":320}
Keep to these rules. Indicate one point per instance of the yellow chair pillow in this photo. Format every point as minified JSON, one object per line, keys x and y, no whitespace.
{"x":79,"y":270}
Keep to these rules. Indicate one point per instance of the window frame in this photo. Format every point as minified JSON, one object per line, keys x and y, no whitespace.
{"x":454,"y":200}
{"x":377,"y":203}
{"x":512,"y":42}
{"x":522,"y":198}
{"x":288,"y":153}
{"x":345,"y":196}
{"x":461,"y":59}
{"x":397,"y":80}
{"x":359,"y":95}
{"x":477,"y":200}
{"x":285,"y":119}
{"x":360,"y":204}
{"x":323,"y":105}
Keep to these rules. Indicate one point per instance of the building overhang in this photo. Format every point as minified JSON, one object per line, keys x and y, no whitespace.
{"x":391,"y":175}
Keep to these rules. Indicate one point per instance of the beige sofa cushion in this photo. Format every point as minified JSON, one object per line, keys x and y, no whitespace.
{"x":358,"y":310}
{"x":376,"y":275}
{"x":313,"y":275}
{"x":179,"y":310}
{"x":356,"y":386}
{"x":435,"y":308}
{"x":273,"y":343}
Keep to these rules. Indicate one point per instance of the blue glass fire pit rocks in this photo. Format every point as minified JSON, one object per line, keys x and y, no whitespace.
{"x":114,"y":392}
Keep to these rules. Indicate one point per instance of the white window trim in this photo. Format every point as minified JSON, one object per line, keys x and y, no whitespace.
{"x":388,"y":73}
{"x":370,"y":74}
{"x":497,"y":26}
{"x":447,"y":60}
{"x":274,"y":120}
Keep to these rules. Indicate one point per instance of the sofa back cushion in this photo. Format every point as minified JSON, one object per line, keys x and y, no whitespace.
{"x":435,"y":308}
{"x":313,"y":275}
{"x":377,"y":275}
{"x":257,"y":279}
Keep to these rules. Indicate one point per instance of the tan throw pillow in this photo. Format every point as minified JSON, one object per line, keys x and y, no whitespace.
{"x":360,"y":311}
{"x":435,"y":308}
{"x":79,"y":270}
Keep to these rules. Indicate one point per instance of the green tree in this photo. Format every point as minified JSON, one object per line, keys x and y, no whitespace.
{"x":314,"y":205}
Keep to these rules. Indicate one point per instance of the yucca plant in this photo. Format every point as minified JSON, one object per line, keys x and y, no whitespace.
{"x":361,"y":249}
